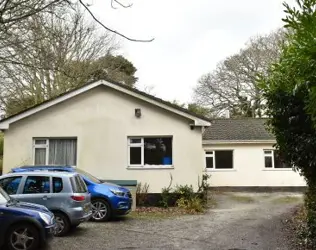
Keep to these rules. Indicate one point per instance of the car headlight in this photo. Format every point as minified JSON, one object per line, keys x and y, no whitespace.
{"x":46,"y":218}
{"x":117,"y":192}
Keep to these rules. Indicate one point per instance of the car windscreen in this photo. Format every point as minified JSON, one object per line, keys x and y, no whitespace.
{"x":88,"y":176}
{"x":78,"y":185}
{"x":4,"y":197}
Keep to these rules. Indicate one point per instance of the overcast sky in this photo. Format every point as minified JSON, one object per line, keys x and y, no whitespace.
{"x":191,"y":37}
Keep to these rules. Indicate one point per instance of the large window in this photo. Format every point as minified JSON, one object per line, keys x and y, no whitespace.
{"x":149,"y":151}
{"x":272,"y":159}
{"x":219,"y":159}
{"x":55,"y":151}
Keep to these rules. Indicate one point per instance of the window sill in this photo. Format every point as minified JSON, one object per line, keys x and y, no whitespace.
{"x":220,"y":170}
{"x":150,"y":167}
{"x":277,"y":169}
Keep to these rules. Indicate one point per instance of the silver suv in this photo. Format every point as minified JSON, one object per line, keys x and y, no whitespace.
{"x":65,"y":194}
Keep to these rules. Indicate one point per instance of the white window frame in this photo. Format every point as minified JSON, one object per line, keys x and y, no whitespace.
{"x":265,"y":154}
{"x":213,"y":155}
{"x":142,"y":146}
{"x":46,"y":146}
{"x":210,"y":154}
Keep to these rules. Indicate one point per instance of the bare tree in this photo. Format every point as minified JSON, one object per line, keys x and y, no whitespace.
{"x":233,"y":84}
{"x":62,"y":52}
{"x":13,"y":12}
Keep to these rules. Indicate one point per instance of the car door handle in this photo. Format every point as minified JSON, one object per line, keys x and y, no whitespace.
{"x":45,"y":197}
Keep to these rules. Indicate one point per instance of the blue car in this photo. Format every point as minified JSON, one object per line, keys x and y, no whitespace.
{"x":108,"y":200}
{"x":24,"y":226}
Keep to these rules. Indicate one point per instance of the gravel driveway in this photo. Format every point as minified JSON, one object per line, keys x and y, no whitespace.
{"x":240,"y":221}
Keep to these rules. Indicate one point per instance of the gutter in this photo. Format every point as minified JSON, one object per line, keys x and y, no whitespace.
{"x":207,"y":142}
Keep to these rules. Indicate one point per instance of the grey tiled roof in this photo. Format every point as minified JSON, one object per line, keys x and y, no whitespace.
{"x":247,"y":129}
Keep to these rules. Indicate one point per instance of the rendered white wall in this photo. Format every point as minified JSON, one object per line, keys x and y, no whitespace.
{"x":249,"y":168}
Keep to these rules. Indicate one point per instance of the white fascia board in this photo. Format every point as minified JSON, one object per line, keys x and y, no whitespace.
{"x":207,"y":142}
{"x":5,"y":124}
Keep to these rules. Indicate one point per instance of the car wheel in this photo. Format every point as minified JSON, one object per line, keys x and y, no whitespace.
{"x":101,"y":210}
{"x":73,"y":226}
{"x":62,"y":224}
{"x":23,"y":237}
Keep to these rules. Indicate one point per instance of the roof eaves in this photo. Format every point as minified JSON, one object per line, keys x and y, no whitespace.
{"x":198,"y":120}
{"x":262,"y":141}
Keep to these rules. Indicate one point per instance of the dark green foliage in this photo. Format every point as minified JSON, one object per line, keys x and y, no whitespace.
{"x":290,"y":90}
{"x":199,"y":110}
{"x":115,"y":68}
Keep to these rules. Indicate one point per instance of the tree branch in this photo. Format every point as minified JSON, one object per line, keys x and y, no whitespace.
{"x":111,"y":30}
{"x":122,"y":5}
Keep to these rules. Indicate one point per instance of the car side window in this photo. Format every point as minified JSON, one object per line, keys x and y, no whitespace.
{"x":36,"y":185}
{"x":57,"y":184}
{"x":11,"y":184}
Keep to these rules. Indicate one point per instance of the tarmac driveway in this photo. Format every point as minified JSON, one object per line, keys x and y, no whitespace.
{"x":240,"y":221}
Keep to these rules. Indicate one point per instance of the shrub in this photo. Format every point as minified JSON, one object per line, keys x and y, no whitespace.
{"x":184,"y":196}
{"x":141,"y":194}
{"x":184,"y":191}
{"x":193,"y":204}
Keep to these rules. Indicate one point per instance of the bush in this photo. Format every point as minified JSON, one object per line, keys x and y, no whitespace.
{"x":194,"y":204}
{"x":141,"y":194}
{"x":183,"y":196}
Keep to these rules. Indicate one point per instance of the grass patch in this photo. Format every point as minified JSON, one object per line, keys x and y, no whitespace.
{"x":287,"y":199}
{"x":241,"y":198}
{"x":159,"y":213}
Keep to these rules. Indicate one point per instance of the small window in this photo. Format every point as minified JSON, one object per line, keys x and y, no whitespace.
{"x":40,"y":142}
{"x":135,"y":140}
{"x":209,"y":162}
{"x":135,"y":155}
{"x":40,"y":156}
{"x":78,"y":185}
{"x":273,"y":159}
{"x":11,"y":184}
{"x":36,"y":185}
{"x":57,"y":184}
{"x":219,"y":159}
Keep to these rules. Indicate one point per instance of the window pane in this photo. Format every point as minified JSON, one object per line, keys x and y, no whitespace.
{"x":40,"y":142}
{"x":278,"y":161}
{"x":135,"y":140}
{"x":11,"y":184}
{"x":36,"y":185}
{"x":63,"y":152}
{"x":135,"y":154}
{"x":57,"y":184}
{"x":223,"y":159}
{"x":158,"y":151}
{"x":209,"y":152}
{"x":209,"y":162}
{"x":268,"y":152}
{"x":78,"y":185}
{"x":40,"y":156}
{"x":268,"y":161}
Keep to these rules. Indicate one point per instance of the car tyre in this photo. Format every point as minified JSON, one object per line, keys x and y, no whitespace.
{"x":23,"y":236}
{"x":62,"y":224}
{"x":74,"y":226}
{"x":101,"y":210}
